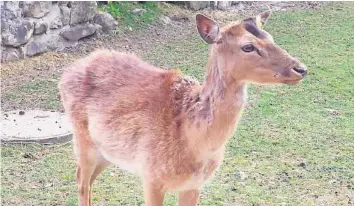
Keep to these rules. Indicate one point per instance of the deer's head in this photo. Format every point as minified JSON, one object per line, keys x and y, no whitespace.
{"x":248,"y":53}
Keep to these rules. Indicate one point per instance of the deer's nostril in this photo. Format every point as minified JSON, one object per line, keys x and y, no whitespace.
{"x":300,"y":70}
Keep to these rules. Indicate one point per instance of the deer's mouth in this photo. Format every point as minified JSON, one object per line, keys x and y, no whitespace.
{"x":293,"y":75}
{"x":292,"y":81}
{"x":289,"y":78}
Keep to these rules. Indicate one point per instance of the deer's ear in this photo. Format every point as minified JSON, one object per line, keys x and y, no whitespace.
{"x":262,"y":18}
{"x":208,"y":29}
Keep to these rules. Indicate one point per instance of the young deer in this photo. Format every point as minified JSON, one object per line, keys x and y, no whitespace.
{"x":163,"y":126}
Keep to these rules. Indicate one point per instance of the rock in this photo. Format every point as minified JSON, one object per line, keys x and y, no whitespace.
{"x":284,"y":4}
{"x":6,"y":17}
{"x":99,"y":30}
{"x":40,"y":27}
{"x":65,"y":15}
{"x":53,"y":18}
{"x":106,"y":21}
{"x":18,"y":33}
{"x":12,"y":5}
{"x":82,"y":11}
{"x":10,"y":54}
{"x":53,"y":40}
{"x":224,"y":5}
{"x":180,"y":17}
{"x":63,"y":3}
{"x":276,"y":8}
{"x":165,"y":20}
{"x":240,"y":6}
{"x":138,"y":11}
{"x":314,"y":4}
{"x":34,"y":48}
{"x":197,"y":5}
{"x":56,"y":23}
{"x":10,"y":10}
{"x":78,"y":32}
{"x":303,"y":165}
{"x":36,"y":9}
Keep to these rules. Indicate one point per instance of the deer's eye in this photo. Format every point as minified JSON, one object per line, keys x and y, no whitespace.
{"x":248,"y":48}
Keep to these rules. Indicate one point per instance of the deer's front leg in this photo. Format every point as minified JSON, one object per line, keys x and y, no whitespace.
{"x":154,"y":194}
{"x":188,"y":198}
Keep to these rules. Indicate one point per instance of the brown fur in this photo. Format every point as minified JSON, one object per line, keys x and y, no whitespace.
{"x":158,"y":124}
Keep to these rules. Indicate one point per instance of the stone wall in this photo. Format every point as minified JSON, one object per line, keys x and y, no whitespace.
{"x":31,"y":28}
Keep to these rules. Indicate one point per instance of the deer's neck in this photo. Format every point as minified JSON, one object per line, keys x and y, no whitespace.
{"x":221,"y":101}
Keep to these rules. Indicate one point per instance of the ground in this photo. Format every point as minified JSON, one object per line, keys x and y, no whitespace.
{"x":294,"y":144}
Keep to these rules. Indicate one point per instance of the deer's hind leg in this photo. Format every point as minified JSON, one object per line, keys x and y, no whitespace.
{"x":90,"y":163}
{"x":100,"y":167}
{"x":87,"y":171}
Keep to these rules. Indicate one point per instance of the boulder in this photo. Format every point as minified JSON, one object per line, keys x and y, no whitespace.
{"x":6,"y":17}
{"x":106,"y":21}
{"x":9,"y":11}
{"x":65,"y":15}
{"x":12,"y":5}
{"x":18,"y":33}
{"x":197,"y":5}
{"x":53,"y":18}
{"x":82,"y":11}
{"x":10,"y":54}
{"x":34,"y":48}
{"x":40,"y":27}
{"x":36,"y":9}
{"x":78,"y":32}
{"x":224,"y":5}
{"x":53,"y":40}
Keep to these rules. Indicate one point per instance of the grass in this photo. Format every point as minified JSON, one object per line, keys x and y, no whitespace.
{"x":122,"y":11}
{"x":39,"y":93}
{"x":294,"y":144}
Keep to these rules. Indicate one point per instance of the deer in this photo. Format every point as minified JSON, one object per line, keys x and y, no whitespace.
{"x":164,"y":126}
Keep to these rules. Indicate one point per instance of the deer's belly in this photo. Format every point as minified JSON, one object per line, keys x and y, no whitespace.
{"x":116,"y":148}
{"x":197,"y":179}
{"x":130,"y":165}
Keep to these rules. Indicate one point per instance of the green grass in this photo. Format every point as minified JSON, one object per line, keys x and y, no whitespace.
{"x":294,"y":144}
{"x":122,"y":11}
{"x":38,"y":93}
